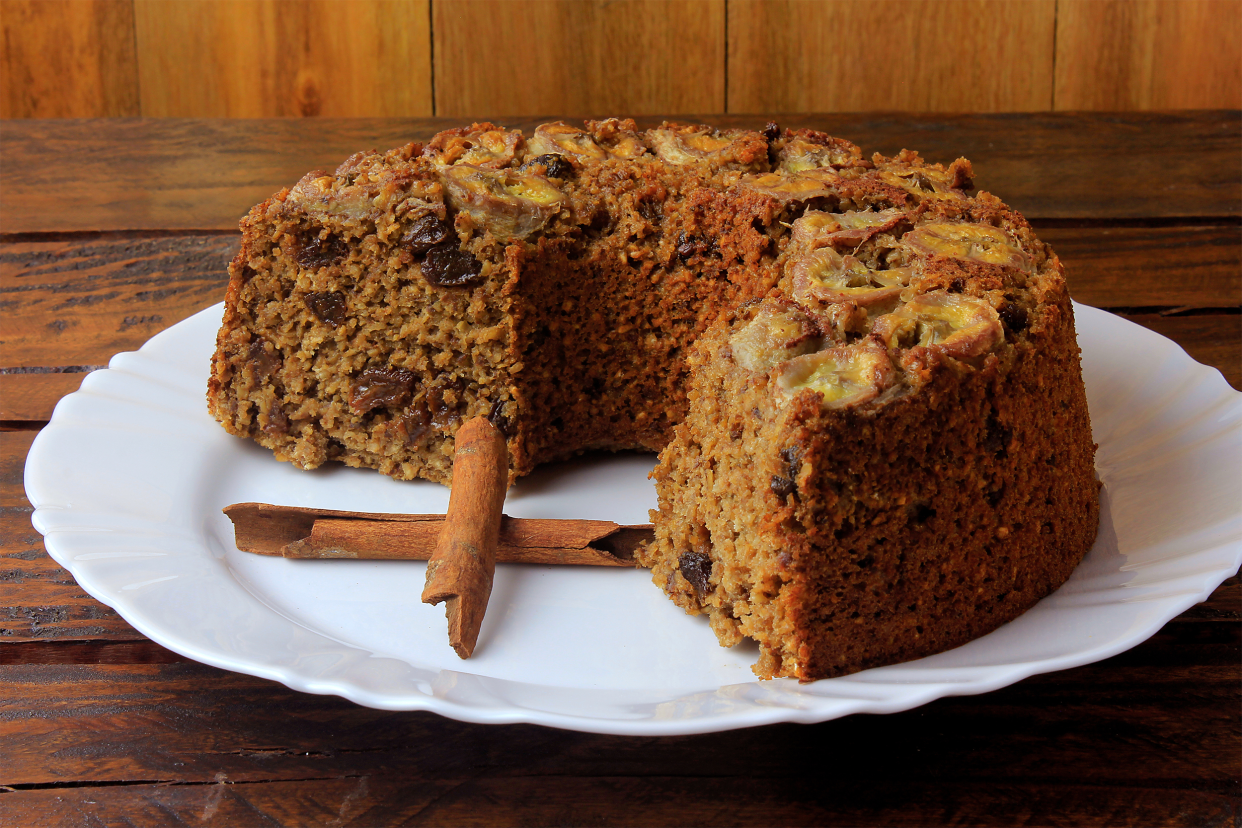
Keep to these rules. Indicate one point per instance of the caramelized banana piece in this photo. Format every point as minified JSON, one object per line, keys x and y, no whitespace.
{"x":969,"y":242}
{"x":562,"y":139}
{"x":828,"y":276}
{"x":844,"y":376}
{"x":786,"y":188}
{"x":688,"y":144}
{"x":619,"y":137}
{"x":927,"y":181}
{"x":778,"y":332}
{"x":480,"y":145}
{"x":799,"y":154}
{"x":509,"y":203}
{"x":318,"y":192}
{"x":950,"y":323}
{"x":849,"y":229}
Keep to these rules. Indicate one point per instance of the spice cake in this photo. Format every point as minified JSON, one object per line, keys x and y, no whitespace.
{"x":864,"y":379}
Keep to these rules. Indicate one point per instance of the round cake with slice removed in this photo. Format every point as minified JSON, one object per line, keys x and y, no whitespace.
{"x":863,"y":378}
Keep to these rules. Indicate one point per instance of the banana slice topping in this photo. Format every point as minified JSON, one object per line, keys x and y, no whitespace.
{"x":953,"y":324}
{"x":849,"y":229}
{"x":798,"y":154}
{"x":844,"y":376}
{"x":562,"y":139}
{"x":687,"y":144}
{"x":828,"y":276}
{"x":797,"y":187}
{"x":968,"y":242}
{"x":775,"y":334}
{"x":509,"y":203}
{"x":482,"y":145}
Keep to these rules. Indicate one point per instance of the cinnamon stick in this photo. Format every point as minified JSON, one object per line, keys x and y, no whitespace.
{"x":296,"y":532}
{"x":461,"y":569}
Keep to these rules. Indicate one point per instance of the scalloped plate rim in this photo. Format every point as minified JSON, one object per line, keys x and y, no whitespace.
{"x":54,"y":520}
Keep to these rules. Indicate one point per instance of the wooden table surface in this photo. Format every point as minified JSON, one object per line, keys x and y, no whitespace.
{"x":116,"y":229}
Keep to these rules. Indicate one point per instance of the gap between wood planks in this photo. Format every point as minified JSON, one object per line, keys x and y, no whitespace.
{"x":167,"y":783}
{"x":1155,"y":221}
{"x":101,"y":651}
{"x":94,"y":235}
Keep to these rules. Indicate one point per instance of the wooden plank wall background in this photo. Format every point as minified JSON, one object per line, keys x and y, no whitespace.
{"x":495,"y":58}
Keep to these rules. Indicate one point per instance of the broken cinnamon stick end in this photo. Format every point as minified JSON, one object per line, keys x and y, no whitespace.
{"x":266,"y":530}
{"x":463,"y":632}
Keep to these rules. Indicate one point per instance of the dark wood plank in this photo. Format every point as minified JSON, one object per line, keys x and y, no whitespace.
{"x":1151,"y":267}
{"x":352,"y":801}
{"x":1163,"y":713}
{"x":94,"y":651}
{"x":31,"y":397}
{"x":385,"y":799}
{"x":204,"y":174}
{"x":85,"y":300}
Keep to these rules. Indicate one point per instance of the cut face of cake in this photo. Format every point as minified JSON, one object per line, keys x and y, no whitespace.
{"x":553,"y":283}
{"x":863,"y":379}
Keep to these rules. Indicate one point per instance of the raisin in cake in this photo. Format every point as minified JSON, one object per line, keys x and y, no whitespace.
{"x":863,"y":379}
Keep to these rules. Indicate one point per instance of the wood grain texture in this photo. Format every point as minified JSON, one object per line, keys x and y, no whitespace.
{"x":1151,"y":267}
{"x":171,"y":174}
{"x":915,"y":55}
{"x":30,"y":398}
{"x":83,"y":302}
{"x":595,"y":57}
{"x":213,"y":736}
{"x":44,"y":651}
{"x":373,"y":58}
{"x":204,"y":175}
{"x":274,"y":58}
{"x":68,"y":59}
{"x":1149,"y":54}
{"x":382,"y":799}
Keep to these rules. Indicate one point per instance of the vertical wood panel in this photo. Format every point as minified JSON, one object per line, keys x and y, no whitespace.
{"x":1149,"y":54}
{"x":67,"y":59}
{"x":917,"y":55}
{"x":264,"y":58}
{"x":582,"y":57}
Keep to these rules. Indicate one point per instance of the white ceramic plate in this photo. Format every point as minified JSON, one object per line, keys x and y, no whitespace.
{"x":129,"y":478}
